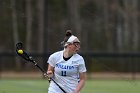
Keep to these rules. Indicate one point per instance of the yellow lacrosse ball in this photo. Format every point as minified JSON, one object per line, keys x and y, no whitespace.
{"x":20,"y":51}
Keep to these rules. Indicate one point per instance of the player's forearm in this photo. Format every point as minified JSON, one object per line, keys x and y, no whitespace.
{"x":50,"y":71}
{"x":79,"y":86}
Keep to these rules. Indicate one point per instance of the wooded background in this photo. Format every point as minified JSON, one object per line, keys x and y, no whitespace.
{"x":104,"y":26}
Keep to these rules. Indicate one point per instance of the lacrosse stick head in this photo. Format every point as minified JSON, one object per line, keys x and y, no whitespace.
{"x":25,"y":55}
{"x":19,"y":45}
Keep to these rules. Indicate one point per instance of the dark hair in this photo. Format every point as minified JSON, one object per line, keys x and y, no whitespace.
{"x":67,"y":36}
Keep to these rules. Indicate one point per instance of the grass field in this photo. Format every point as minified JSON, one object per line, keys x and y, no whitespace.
{"x":92,"y":86}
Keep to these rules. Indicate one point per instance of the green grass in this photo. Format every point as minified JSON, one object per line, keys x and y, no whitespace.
{"x":92,"y":86}
{"x":112,"y":86}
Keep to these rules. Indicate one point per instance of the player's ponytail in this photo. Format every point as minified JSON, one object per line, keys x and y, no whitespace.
{"x":68,"y":34}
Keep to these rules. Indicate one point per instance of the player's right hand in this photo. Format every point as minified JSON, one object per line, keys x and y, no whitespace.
{"x":50,"y":74}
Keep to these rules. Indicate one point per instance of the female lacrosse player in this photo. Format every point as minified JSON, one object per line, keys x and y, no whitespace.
{"x":67,"y":67}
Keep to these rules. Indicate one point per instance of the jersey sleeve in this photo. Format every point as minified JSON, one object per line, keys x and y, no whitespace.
{"x":82,"y":67}
{"x":51,"y":61}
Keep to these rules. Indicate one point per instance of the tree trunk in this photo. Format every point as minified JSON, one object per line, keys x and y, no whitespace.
{"x":127,"y":26}
{"x":135,"y":39}
{"x":15,"y":30}
{"x":73,"y":6}
{"x":135,"y":25}
{"x":108,"y":32}
{"x":41,"y":25}
{"x":41,"y":30}
{"x":29,"y":25}
{"x":119,"y":32}
{"x":28,"y":29}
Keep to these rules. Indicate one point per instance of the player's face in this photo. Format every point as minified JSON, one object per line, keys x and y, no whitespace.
{"x":75,"y":46}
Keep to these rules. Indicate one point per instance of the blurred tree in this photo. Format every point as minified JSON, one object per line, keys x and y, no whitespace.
{"x":41,"y":31}
{"x":40,"y":25}
{"x":28,"y":36}
{"x":135,"y":19}
{"x":119,"y":26}
{"x":74,"y":16}
{"x":15,"y":30}
{"x":28,"y":24}
{"x":127,"y":26}
{"x":108,"y":32}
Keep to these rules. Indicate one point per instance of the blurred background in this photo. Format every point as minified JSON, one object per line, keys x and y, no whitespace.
{"x":109,"y":32}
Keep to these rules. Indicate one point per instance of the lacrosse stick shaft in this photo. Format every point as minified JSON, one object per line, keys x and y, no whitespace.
{"x":47,"y":75}
{"x":38,"y":67}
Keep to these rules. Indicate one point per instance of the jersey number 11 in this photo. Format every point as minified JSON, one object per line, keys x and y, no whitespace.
{"x":63,"y":73}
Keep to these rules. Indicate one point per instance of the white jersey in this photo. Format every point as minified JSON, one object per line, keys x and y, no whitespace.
{"x":66,"y":73}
